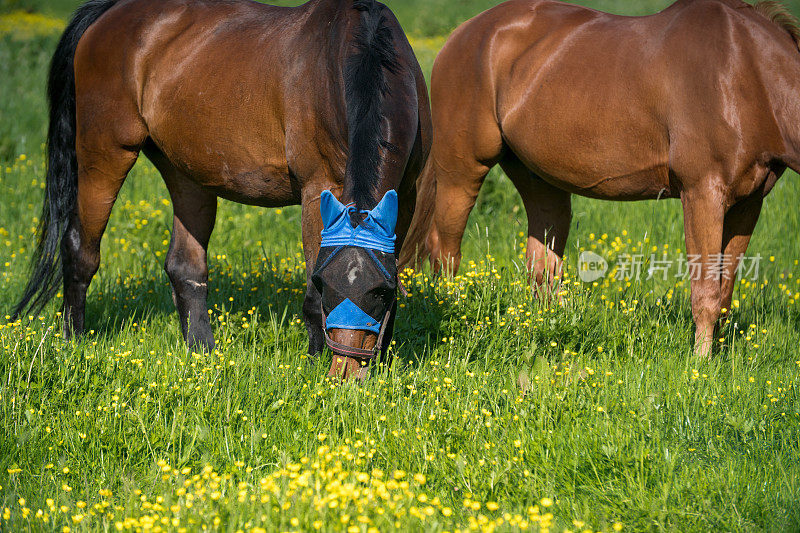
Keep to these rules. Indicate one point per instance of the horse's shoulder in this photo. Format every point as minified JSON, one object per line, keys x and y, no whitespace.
{"x":722,"y":17}
{"x":521,"y":16}
{"x":537,"y":8}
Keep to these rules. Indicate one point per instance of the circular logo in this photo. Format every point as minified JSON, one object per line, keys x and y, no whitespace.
{"x":591,"y":267}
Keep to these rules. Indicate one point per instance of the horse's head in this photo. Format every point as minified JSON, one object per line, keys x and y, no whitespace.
{"x":356,"y":273}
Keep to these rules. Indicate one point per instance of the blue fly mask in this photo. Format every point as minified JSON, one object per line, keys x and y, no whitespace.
{"x":356,"y":270}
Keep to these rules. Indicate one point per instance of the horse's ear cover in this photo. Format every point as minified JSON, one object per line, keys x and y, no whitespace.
{"x":385,"y":213}
{"x":330,"y":208}
{"x":375,"y":232}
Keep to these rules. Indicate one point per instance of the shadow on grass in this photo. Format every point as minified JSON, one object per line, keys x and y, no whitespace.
{"x":263,"y":286}
{"x":584,"y":325}
{"x":234,"y":289}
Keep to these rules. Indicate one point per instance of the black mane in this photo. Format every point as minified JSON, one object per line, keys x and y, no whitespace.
{"x":365,"y":88}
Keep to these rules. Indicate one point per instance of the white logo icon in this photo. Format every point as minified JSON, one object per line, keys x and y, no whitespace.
{"x":591,"y":267}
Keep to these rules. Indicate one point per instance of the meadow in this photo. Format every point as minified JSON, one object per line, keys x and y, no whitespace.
{"x":497,"y":412}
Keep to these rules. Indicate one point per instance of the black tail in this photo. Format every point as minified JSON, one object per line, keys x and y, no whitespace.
{"x":365,"y":88}
{"x":62,"y":165}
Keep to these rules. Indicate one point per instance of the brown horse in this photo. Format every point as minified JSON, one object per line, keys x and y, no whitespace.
{"x":258,"y":104}
{"x":699,"y":102}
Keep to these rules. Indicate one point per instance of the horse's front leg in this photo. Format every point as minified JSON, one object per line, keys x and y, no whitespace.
{"x":312,"y":315}
{"x":312,"y":305}
{"x":703,"y":216}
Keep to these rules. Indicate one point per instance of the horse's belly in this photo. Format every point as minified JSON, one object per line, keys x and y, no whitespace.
{"x":264,"y":187}
{"x":591,"y":155}
{"x":641,"y":184}
{"x":232,"y":173}
{"x":581,"y":168}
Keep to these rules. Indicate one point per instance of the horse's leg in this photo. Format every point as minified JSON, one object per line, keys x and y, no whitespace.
{"x":466,"y":145}
{"x":549,"y":211}
{"x":740,"y":221}
{"x":194,"y":214}
{"x":312,"y":304}
{"x":458,"y":183}
{"x":703,"y":216}
{"x":102,"y":169}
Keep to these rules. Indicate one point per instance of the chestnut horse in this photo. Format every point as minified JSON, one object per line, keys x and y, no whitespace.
{"x":258,"y":104}
{"x":699,"y":102}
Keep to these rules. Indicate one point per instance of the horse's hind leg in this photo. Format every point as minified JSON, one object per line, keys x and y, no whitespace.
{"x":740,"y":222}
{"x":549,"y":211}
{"x":704,"y":215}
{"x":102,"y":169}
{"x":194,"y":215}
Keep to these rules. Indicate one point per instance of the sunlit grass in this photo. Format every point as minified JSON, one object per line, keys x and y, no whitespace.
{"x":595,"y":406}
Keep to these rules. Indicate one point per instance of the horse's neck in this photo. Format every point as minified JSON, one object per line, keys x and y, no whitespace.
{"x":324,"y":13}
{"x":329,"y":5}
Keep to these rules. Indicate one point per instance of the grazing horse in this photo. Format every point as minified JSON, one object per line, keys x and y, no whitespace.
{"x":699,"y":102}
{"x":259,"y":104}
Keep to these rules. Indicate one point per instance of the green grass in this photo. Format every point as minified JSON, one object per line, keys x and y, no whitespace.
{"x":497,"y":411}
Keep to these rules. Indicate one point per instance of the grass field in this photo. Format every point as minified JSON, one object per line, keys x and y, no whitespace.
{"x":497,"y":413}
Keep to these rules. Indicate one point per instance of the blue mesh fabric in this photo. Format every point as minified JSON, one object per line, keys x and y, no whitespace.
{"x":375,"y":232}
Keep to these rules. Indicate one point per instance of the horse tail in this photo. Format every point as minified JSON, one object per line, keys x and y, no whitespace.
{"x":61,"y":189}
{"x":416,"y":247}
{"x":366,"y":85}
